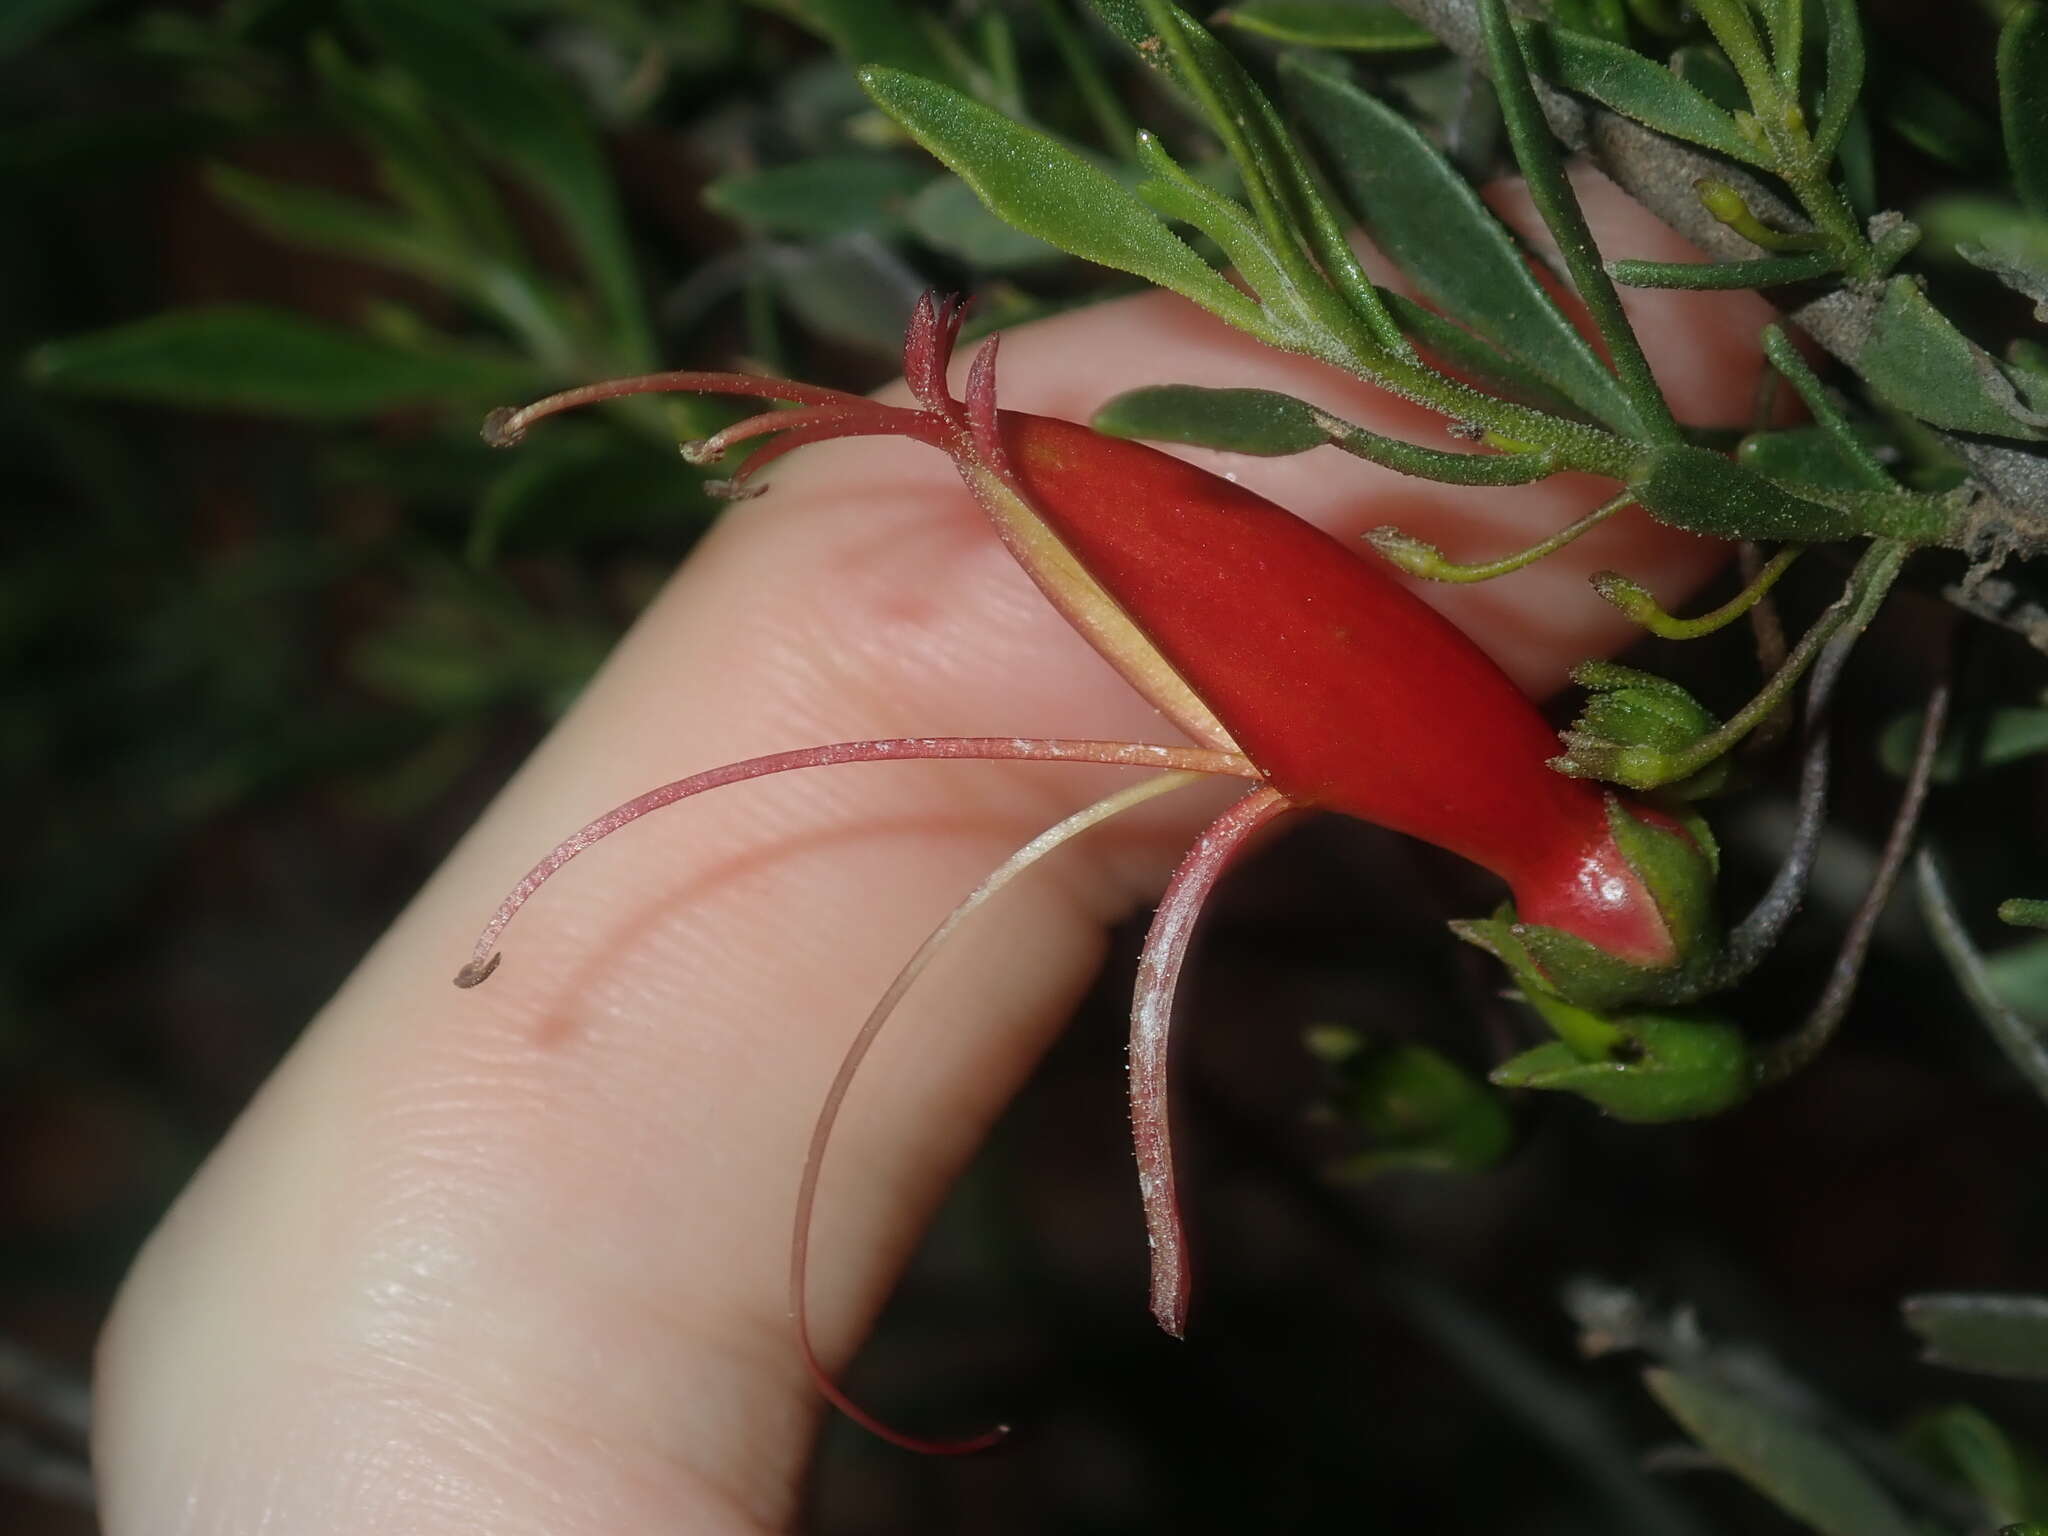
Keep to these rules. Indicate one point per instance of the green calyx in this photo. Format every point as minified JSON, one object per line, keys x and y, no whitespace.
{"x":1632,"y":727}
{"x":1641,"y":1067}
{"x":1624,"y":1040}
{"x":1677,"y":866}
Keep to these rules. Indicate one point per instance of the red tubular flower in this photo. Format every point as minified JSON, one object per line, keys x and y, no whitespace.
{"x":1288,"y":658}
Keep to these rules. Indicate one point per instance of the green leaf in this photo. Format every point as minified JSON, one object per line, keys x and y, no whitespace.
{"x":876,"y":32}
{"x":827,"y":195}
{"x":1264,"y":423}
{"x":948,"y":217}
{"x":1916,"y":360}
{"x":1363,"y":26}
{"x":1937,"y":122}
{"x":1804,"y":1474}
{"x":1550,"y":189}
{"x":420,"y":164}
{"x":1623,"y":80}
{"x":1260,"y":422}
{"x":1991,"y":740}
{"x":271,"y":362}
{"x":344,"y":226}
{"x":582,"y":484}
{"x":1709,"y":276}
{"x":2023,"y":100}
{"x":1993,"y":1335}
{"x":1423,"y":1112}
{"x":1964,"y":1445}
{"x":1707,"y":70}
{"x":1844,"y":72}
{"x":1038,"y":185}
{"x":1803,"y":456}
{"x":1696,"y":489}
{"x":1595,"y":18}
{"x":1426,"y":216}
{"x":853,"y":288}
{"x":1477,"y":359}
{"x":519,"y":114}
{"x":2018,"y":977}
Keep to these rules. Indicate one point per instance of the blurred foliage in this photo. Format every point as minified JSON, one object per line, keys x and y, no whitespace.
{"x":274,"y":623}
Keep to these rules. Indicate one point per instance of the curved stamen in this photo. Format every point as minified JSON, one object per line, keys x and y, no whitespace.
{"x":1159,"y":968}
{"x":856,"y":1053}
{"x":508,"y":424}
{"x":984,"y":422}
{"x":814,"y":423}
{"x":1122,"y":754}
{"x":928,"y":348}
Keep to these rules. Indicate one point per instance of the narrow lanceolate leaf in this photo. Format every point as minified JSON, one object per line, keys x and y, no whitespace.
{"x":419,"y":163}
{"x":1266,"y":424}
{"x":520,"y":115}
{"x":1804,"y":1474}
{"x":1479,"y":360}
{"x":1990,"y":1334}
{"x":947,"y":216}
{"x":1261,"y":422}
{"x":1623,"y":80}
{"x":1966,"y":1446}
{"x":2023,"y":100}
{"x":1550,"y":189}
{"x":1428,"y":219}
{"x":1361,"y":26}
{"x":826,"y":195}
{"x":876,"y":32}
{"x":1763,"y":272}
{"x":1845,"y":72}
{"x":272,"y":362}
{"x":347,"y":226}
{"x":1918,"y":361}
{"x":1038,"y":185}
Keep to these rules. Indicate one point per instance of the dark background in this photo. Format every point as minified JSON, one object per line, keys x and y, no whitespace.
{"x":257,"y":673}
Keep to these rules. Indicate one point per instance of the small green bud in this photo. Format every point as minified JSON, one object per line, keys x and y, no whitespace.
{"x":1633,"y":726}
{"x":2023,"y":912}
{"x":1413,"y":555}
{"x":1423,"y":1111}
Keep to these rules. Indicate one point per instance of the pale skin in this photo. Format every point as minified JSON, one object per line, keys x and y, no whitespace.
{"x":512,"y":1259}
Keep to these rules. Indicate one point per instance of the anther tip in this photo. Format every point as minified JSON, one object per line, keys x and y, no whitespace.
{"x":475,"y":974}
{"x":501,"y":428}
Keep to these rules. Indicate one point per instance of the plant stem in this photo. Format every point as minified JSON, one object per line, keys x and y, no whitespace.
{"x":1426,"y":560}
{"x":1871,"y":580}
{"x":1800,"y":162}
{"x":1787,"y":1056}
{"x":2021,"y":1041}
{"x":1636,"y":601}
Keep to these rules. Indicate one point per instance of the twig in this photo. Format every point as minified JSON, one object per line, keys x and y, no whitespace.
{"x":2021,"y":1042}
{"x":1796,"y":1050}
{"x":1758,"y":932}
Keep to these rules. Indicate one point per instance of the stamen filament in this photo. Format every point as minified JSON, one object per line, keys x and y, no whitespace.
{"x":856,"y":1053}
{"x":1121,"y":754}
{"x":508,"y":424}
